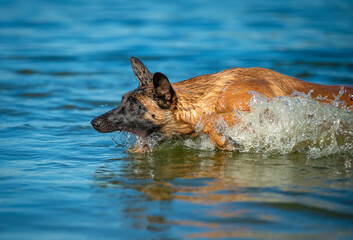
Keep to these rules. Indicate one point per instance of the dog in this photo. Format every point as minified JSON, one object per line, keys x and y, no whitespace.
{"x":197,"y":105}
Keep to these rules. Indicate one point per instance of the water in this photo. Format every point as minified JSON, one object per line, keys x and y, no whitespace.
{"x":64,"y":62}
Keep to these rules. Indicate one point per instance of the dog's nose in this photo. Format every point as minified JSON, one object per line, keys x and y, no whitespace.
{"x":96,"y":123}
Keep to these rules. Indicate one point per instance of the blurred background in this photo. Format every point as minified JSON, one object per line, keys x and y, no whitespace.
{"x":62,"y":63}
{"x":310,"y":39}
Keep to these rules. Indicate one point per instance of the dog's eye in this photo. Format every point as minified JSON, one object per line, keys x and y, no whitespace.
{"x":132,"y":107}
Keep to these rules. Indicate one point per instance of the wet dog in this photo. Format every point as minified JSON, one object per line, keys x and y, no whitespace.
{"x":200,"y":104}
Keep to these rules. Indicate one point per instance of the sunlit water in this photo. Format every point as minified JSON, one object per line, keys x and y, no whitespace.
{"x":64,"y":62}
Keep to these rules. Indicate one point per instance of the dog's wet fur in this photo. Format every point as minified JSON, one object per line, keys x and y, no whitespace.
{"x":199,"y":104}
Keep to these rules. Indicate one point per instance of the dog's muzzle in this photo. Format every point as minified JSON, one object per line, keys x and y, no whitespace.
{"x":96,"y":123}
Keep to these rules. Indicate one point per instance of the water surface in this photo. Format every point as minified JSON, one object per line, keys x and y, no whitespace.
{"x":64,"y":62}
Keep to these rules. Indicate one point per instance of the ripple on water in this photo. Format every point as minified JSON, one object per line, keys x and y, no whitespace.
{"x":65,"y":62}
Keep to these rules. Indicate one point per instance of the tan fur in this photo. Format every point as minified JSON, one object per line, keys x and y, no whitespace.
{"x":204,"y":100}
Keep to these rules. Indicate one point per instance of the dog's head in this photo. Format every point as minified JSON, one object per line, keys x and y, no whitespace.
{"x":143,"y":111}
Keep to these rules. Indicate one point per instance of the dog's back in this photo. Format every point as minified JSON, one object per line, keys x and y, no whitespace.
{"x":224,"y":91}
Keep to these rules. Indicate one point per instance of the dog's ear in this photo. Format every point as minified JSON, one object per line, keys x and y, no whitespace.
{"x":141,"y":72}
{"x":166,"y":95}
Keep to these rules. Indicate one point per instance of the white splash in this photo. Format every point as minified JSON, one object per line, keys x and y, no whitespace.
{"x":298,"y":123}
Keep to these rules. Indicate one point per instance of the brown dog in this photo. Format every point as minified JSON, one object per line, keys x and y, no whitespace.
{"x":197,"y":105}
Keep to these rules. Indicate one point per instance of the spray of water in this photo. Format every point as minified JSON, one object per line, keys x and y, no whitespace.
{"x":298,"y":123}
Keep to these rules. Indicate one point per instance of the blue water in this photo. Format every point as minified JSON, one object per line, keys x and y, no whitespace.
{"x":63,"y":63}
